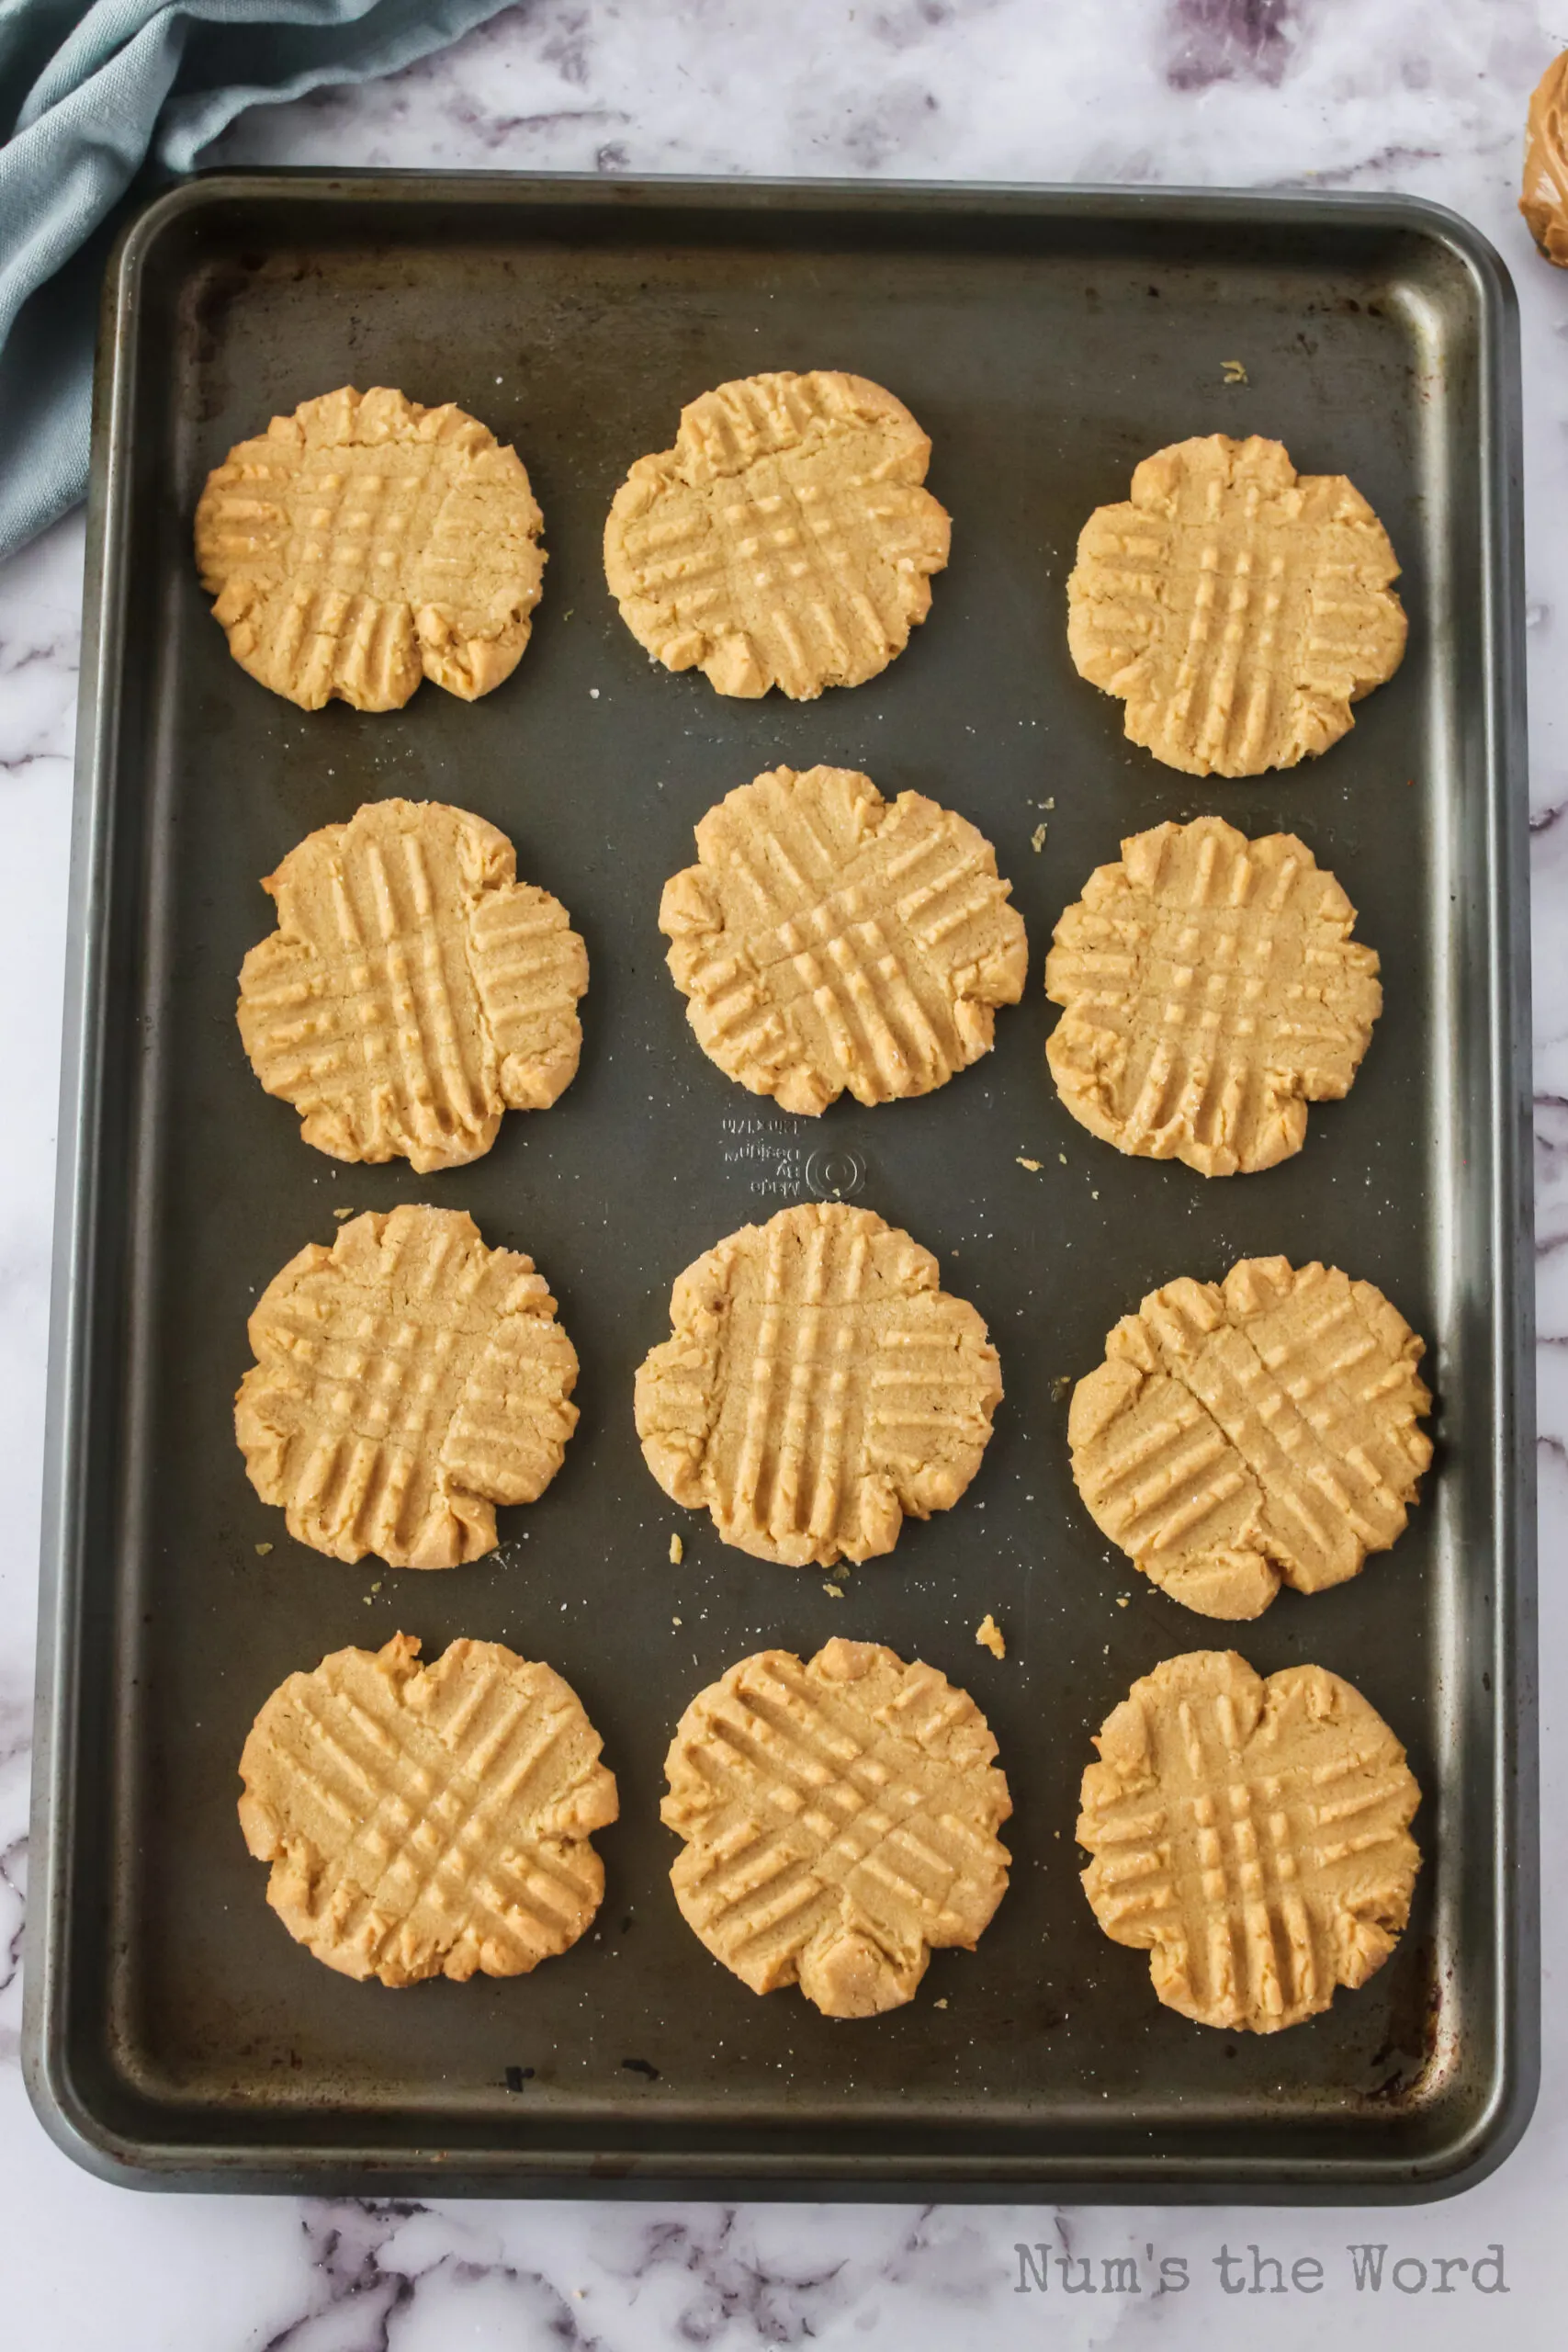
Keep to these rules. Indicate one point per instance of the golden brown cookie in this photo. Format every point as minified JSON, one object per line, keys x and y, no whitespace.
{"x":840,"y":1821}
{"x":427,"y":1820}
{"x":364,"y":543}
{"x":829,"y":939}
{"x":818,"y":1386}
{"x":1211,"y":991}
{"x":1237,"y":607}
{"x":1545,"y":199}
{"x":784,"y":540}
{"x":1260,"y":1431}
{"x":406,"y":1381}
{"x":413,"y":990}
{"x":1251,"y":1836}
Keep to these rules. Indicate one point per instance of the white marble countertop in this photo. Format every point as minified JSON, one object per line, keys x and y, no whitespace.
{"x":1366,"y":93}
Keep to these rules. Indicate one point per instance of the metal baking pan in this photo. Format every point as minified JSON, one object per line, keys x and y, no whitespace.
{"x":1046,"y":340}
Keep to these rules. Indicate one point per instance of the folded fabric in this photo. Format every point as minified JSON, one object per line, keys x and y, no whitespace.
{"x":104,"y":91}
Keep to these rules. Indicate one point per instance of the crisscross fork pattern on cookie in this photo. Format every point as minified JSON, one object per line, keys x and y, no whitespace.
{"x":413,"y":988}
{"x":428,"y":1821}
{"x":1262,"y":1430}
{"x":1211,"y":991}
{"x":364,"y":542}
{"x":784,"y":540}
{"x":408,"y":1380}
{"x":838,"y":1827}
{"x":1239,"y":609}
{"x":818,"y":1387}
{"x":829,"y":940}
{"x":1253,"y":1835}
{"x":386,"y":996}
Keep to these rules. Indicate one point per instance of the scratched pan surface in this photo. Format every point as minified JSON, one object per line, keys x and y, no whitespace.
{"x":1046,"y":342}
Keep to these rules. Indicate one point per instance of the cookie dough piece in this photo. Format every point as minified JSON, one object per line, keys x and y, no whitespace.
{"x":1237,"y":607}
{"x":1260,"y":1431}
{"x":841,"y":1820}
{"x":1545,"y":200}
{"x":427,"y":1820}
{"x":413,"y":990}
{"x":784,"y":540}
{"x":831,"y":940}
{"x":1251,"y":1836}
{"x":406,"y":1381}
{"x":366,"y":542}
{"x":1211,"y":991}
{"x":819,"y":1386}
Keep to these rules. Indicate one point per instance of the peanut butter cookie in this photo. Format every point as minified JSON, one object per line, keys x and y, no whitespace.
{"x":1252,"y":1433}
{"x":1239,"y":608}
{"x":786,"y":540}
{"x":831,"y":940}
{"x":427,"y":1820}
{"x":819,"y":1386}
{"x":408,"y":1380}
{"x":1251,"y":1836}
{"x":365,"y":543}
{"x":840,"y":1821}
{"x":413,"y":990}
{"x":1211,"y":991}
{"x":1545,"y":199}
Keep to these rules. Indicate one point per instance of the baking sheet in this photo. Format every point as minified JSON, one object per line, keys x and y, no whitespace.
{"x":1046,"y":340}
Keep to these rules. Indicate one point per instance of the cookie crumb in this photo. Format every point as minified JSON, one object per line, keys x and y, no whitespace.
{"x":834,"y":1591}
{"x":990,"y":1637}
{"x":1060,"y":1386}
{"x":940,"y":2005}
{"x":677,"y":1553}
{"x":341,"y":1213}
{"x":1232,"y":371}
{"x":1121,"y":1600}
{"x":1037,"y":839}
{"x":674,"y":1620}
{"x":1033,"y":1165}
{"x":263,"y":1549}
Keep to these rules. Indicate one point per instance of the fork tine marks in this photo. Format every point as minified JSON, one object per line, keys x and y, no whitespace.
{"x":436,"y":992}
{"x":831,"y":941}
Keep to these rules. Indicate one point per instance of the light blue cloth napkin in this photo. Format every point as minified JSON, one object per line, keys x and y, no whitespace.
{"x":88,"y":94}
